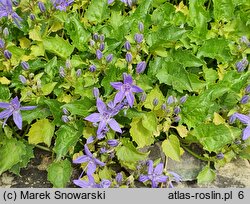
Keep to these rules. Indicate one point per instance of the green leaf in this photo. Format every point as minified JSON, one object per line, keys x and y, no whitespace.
{"x":4,"y":92}
{"x":11,"y":152}
{"x":24,"y":160}
{"x":128,"y":153}
{"x":171,"y":148}
{"x":207,"y":175}
{"x":59,"y":173}
{"x":105,"y":173}
{"x":41,"y":132}
{"x":174,"y":74}
{"x":38,"y":113}
{"x":67,"y":137}
{"x":51,"y":67}
{"x":81,"y":107}
{"x":140,"y":134}
{"x":210,"y":75}
{"x":215,"y":137}
{"x":154,"y":93}
{"x":163,"y":13}
{"x":97,"y":11}
{"x":216,"y":48}
{"x":149,"y":121}
{"x":78,"y":34}
{"x":55,"y":108}
{"x":58,"y":46}
{"x":48,"y":88}
{"x":187,"y":58}
{"x":223,"y":10}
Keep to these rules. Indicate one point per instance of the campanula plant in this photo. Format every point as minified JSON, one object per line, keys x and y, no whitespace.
{"x":102,"y":84}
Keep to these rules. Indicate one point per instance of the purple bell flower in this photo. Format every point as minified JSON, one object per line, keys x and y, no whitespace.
{"x":246,"y":121}
{"x":25,"y":65}
{"x":140,"y":68}
{"x":99,"y":54}
{"x":128,"y":57}
{"x":127,"y":45}
{"x":109,"y":58}
{"x":92,"y":68}
{"x":41,"y":6}
{"x":113,"y":142}
{"x":138,"y":38}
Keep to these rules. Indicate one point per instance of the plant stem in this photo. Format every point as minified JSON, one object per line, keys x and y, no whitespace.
{"x":43,"y":148}
{"x":194,"y":154}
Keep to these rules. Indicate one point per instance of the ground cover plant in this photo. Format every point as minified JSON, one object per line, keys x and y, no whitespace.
{"x":95,"y":81}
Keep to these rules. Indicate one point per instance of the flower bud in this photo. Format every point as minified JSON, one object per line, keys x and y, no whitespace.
{"x":102,"y":46}
{"x":247,"y":90}
{"x":244,"y":40}
{"x":78,"y":72}
{"x":7,"y":54}
{"x":90,"y":139}
{"x":244,"y":99}
{"x":177,"y":119}
{"x":164,"y":106}
{"x":183,"y":99}
{"x":92,"y":43}
{"x":241,"y":65}
{"x":140,"y":67}
{"x":15,"y":3}
{"x":109,"y":58}
{"x":220,"y":156}
{"x":25,"y":65}
{"x":141,"y":27}
{"x":102,"y":37}
{"x":68,"y":64}
{"x":65,"y":111}
{"x":143,"y":97}
{"x":232,"y":118}
{"x":62,"y":72}
{"x":41,"y":6}
{"x":65,"y":119}
{"x":95,"y":37}
{"x":32,"y":17}
{"x":22,"y":79}
{"x":177,"y":110}
{"x":92,"y":68}
{"x":138,"y":38}
{"x":155,"y":101}
{"x":95,"y":92}
{"x":110,"y":2}
{"x":128,"y":57}
{"x":127,"y":45}
{"x":103,"y":150}
{"x":119,"y":178}
{"x":2,"y":44}
{"x":113,"y":143}
{"x":5,"y":32}
{"x":170,"y":100}
{"x":98,"y":54}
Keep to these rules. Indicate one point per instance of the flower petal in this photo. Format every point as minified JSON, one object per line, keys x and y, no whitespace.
{"x":159,"y":169}
{"x":130,"y":97}
{"x":143,"y":178}
{"x":101,"y":126}
{"x":114,"y":125}
{"x":101,"y":106}
{"x":5,"y":114}
{"x":81,"y":159}
{"x":87,"y":152}
{"x":246,"y":133}
{"x":136,"y":89}
{"x":28,"y":107}
{"x":98,"y":162}
{"x":94,"y":117}
{"x":17,"y":117}
{"x":161,"y":179}
{"x":4,"y":105}
{"x":243,"y":118}
{"x":15,"y":102}
{"x":150,"y":167}
{"x":177,"y":177}
{"x":81,"y":183}
{"x":91,"y":168}
{"x":119,"y":97}
{"x":127,"y":79}
{"x":116,"y":85}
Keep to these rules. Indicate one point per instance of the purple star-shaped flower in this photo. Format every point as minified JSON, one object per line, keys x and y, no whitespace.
{"x":154,"y":174}
{"x":91,"y":183}
{"x":7,"y":10}
{"x":104,"y":117}
{"x":62,"y":4}
{"x":92,"y":161}
{"x":13,"y":108}
{"x":126,"y":89}
{"x":245,"y":120}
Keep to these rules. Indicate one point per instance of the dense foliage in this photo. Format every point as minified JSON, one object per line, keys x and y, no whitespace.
{"x":95,"y":81}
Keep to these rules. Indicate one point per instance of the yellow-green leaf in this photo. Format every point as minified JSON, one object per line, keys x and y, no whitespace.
{"x":207,"y":175}
{"x":48,"y":88}
{"x":171,"y":148}
{"x":41,"y":132}
{"x":154,"y":93}
{"x":182,"y":130}
{"x":4,"y":80}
